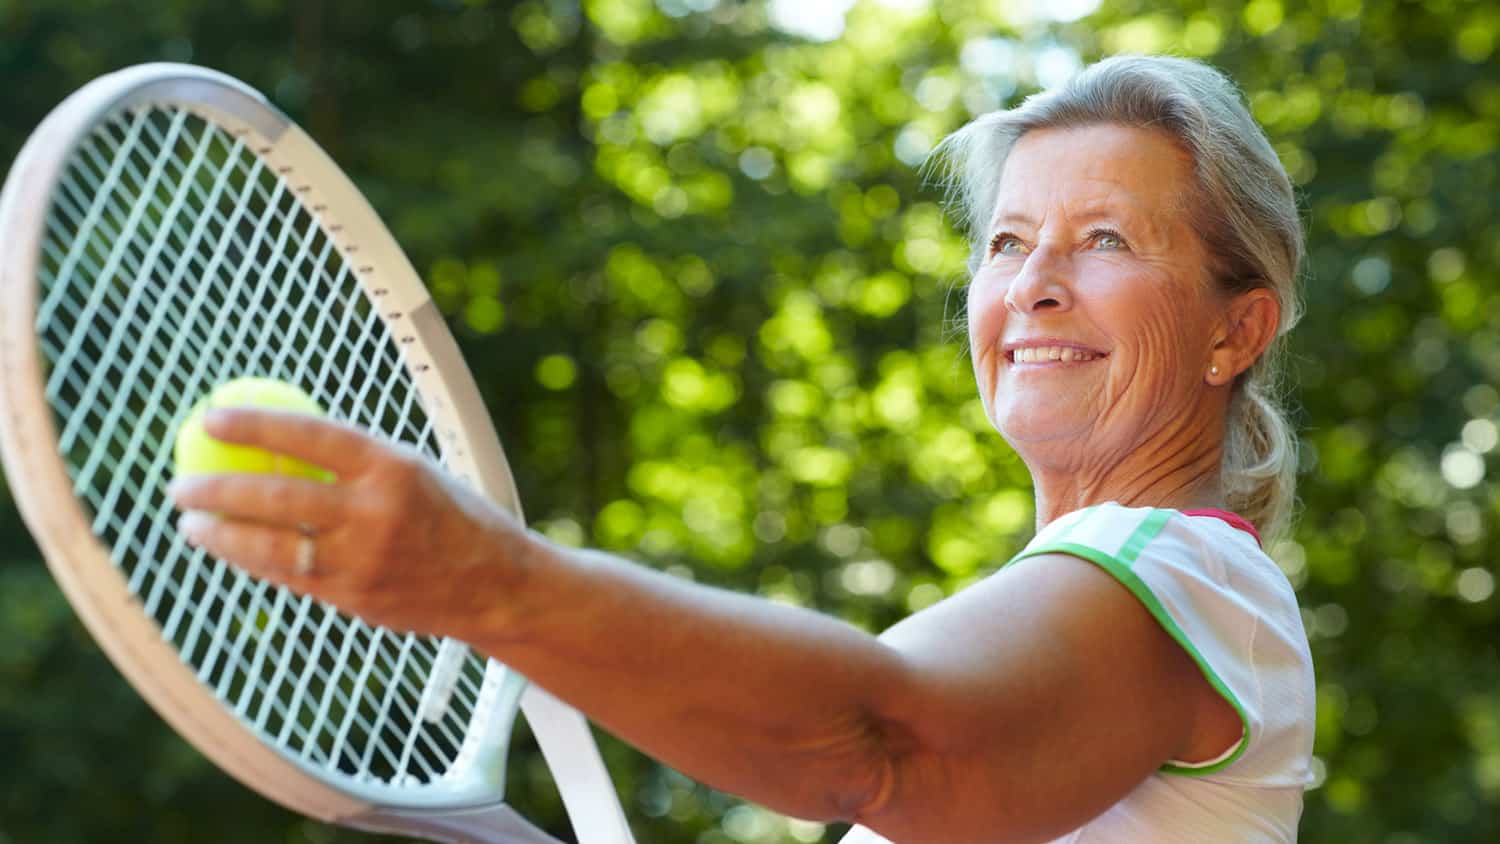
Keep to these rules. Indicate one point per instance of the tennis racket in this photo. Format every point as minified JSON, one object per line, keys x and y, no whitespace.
{"x":167,"y":229}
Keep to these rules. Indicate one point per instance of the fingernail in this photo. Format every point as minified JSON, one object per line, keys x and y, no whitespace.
{"x":191,"y":525}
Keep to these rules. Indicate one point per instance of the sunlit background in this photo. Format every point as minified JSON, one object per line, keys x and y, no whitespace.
{"x":716,"y":313}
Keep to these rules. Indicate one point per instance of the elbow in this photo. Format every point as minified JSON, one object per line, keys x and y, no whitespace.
{"x":871,"y":790}
{"x":864,"y":755}
{"x":889,"y":744}
{"x":867,"y":783}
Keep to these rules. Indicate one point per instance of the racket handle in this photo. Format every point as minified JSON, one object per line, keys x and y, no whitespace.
{"x":441,"y":680}
{"x":568,"y":746}
{"x":494,"y":824}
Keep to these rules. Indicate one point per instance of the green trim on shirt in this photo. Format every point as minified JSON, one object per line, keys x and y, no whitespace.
{"x":1144,"y":533}
{"x":1119,"y":568}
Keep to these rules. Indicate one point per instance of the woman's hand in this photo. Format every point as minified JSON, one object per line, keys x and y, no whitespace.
{"x":395,"y":540}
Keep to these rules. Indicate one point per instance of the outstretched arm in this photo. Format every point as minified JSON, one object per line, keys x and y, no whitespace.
{"x":1015,"y":710}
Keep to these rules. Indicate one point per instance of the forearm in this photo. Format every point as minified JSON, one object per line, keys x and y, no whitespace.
{"x":979,"y":705}
{"x":779,"y":704}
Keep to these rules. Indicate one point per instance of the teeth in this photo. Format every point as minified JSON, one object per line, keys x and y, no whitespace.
{"x":1065,"y":354}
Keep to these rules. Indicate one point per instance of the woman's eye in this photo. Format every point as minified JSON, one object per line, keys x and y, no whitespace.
{"x":1005,"y":244}
{"x":1108,"y":240}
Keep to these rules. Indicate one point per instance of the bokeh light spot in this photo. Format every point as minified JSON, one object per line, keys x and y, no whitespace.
{"x":1461,"y":468}
{"x":1474,"y":585}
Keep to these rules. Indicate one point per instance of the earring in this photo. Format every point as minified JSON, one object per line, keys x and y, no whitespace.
{"x":1213,"y":370}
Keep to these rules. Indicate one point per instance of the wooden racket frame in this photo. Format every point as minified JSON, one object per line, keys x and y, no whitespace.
{"x":81,"y":565}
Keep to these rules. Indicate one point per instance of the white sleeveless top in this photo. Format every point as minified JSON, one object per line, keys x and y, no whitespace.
{"x":1216,"y":592}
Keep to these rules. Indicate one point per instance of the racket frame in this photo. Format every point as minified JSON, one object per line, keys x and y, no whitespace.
{"x":465,"y":809}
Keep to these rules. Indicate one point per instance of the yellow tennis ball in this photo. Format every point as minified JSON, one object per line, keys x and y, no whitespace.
{"x":197,"y":453}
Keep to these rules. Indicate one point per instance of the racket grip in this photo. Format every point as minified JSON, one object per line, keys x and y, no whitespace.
{"x":441,"y":681}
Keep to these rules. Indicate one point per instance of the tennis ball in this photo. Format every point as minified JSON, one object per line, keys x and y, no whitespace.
{"x":197,"y":453}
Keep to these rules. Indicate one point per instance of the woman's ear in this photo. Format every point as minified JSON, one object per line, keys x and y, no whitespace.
{"x":1248,"y":327}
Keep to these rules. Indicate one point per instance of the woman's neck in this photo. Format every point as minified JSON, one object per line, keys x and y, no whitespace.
{"x":1178,"y":470}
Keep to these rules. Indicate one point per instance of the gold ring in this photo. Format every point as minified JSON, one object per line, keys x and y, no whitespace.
{"x":307,"y":556}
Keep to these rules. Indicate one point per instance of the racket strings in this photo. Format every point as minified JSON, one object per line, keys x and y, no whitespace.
{"x":279,"y":207}
{"x":175,"y":259}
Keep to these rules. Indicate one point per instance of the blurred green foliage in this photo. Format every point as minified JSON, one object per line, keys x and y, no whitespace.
{"x":714,"y":311}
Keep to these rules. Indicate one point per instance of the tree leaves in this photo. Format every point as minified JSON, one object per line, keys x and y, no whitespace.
{"x":712,"y":307}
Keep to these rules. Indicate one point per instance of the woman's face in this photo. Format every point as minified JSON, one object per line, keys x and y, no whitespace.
{"x":1091,"y":318}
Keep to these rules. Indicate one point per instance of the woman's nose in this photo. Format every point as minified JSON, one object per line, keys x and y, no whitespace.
{"x":1042,"y":284}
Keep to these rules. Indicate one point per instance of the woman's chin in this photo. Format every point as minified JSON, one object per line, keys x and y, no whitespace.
{"x":1037,"y":427}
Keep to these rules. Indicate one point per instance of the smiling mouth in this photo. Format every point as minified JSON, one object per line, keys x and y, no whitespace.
{"x":1049,"y":354}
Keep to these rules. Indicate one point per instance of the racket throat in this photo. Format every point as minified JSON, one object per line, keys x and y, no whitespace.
{"x":494,"y":824}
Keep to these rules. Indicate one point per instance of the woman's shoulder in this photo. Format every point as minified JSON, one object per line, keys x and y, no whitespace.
{"x":1125,"y":533}
{"x":1202,"y":551}
{"x":1208,"y":582}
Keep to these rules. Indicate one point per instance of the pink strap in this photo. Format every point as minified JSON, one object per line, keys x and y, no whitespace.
{"x":1234,"y":520}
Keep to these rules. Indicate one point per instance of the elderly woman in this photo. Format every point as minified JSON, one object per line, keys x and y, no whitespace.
{"x":1138,"y":673}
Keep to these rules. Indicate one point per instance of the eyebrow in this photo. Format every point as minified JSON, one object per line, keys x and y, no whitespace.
{"x":1012,"y":219}
{"x":1088,"y":215}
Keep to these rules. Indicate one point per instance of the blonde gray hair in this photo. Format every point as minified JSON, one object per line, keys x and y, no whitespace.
{"x":1244,"y":208}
